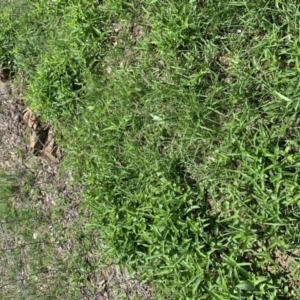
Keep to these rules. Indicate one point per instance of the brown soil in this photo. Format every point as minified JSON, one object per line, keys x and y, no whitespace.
{"x":70,"y":250}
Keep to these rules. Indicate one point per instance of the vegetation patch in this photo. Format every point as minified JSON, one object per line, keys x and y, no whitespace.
{"x":181,"y":120}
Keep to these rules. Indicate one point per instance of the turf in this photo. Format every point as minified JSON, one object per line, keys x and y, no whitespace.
{"x":181,"y":119}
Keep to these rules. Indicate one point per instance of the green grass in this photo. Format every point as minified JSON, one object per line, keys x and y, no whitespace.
{"x":181,"y":118}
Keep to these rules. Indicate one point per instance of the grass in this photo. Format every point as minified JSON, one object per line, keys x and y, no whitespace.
{"x":181,"y":119}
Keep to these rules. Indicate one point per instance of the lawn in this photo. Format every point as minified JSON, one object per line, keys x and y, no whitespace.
{"x":181,"y":119}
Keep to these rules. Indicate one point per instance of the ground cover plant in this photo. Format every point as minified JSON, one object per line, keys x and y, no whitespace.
{"x":181,"y":120}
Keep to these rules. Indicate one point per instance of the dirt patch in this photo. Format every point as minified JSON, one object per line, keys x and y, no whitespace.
{"x":45,"y":247}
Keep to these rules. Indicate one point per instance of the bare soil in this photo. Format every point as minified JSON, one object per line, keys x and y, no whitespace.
{"x":73,"y":265}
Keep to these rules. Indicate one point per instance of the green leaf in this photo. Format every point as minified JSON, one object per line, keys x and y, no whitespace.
{"x":246,"y":285}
